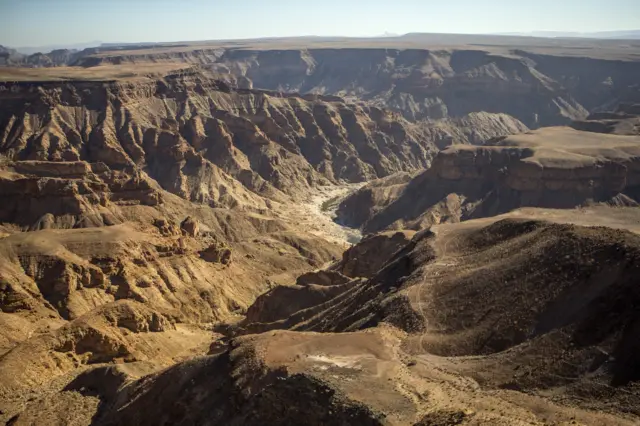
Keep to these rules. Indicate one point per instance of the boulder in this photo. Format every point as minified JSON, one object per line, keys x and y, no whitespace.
{"x":217,"y":253}
{"x":190,"y":227}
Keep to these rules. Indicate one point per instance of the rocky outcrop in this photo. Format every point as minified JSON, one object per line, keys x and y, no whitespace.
{"x":99,"y":337}
{"x":453,"y":291}
{"x":43,"y":195}
{"x":166,"y":227}
{"x":55,"y":58}
{"x":190,"y":227}
{"x":366,"y":258}
{"x":554,"y":167}
{"x":67,"y":273}
{"x":217,"y":252}
{"x":239,"y":387}
{"x":374,"y":197}
{"x":625,"y":120}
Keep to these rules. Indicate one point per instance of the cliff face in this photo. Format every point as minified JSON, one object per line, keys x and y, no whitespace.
{"x":205,"y":142}
{"x":55,"y":58}
{"x":540,"y":90}
{"x":42,"y":194}
{"x":101,"y":56}
{"x":9,"y":56}
{"x":191,"y":134}
{"x":502,"y":294}
{"x":625,"y":120}
{"x":552,"y":167}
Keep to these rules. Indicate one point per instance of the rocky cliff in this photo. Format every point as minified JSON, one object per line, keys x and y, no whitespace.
{"x":552,"y":167}
{"x":208,"y":143}
{"x":54,"y":58}
{"x":491,"y":318}
{"x":539,"y":82}
{"x":625,"y":120}
{"x":538,"y":89}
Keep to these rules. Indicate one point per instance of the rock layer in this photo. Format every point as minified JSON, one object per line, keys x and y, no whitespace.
{"x":545,"y":310}
{"x":552,"y":167}
{"x":205,"y":142}
{"x":538,"y":89}
{"x":506,"y":292}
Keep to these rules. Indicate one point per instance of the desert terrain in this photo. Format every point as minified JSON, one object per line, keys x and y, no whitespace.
{"x":418,"y":230}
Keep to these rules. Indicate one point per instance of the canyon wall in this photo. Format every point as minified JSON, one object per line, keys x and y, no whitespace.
{"x":541,"y":84}
{"x":556,"y":167}
{"x":538,"y":89}
{"x":205,"y":142}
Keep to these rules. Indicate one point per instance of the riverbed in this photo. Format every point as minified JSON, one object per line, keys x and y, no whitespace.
{"x":317,"y":214}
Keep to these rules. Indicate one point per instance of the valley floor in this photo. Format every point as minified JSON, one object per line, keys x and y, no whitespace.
{"x":317,"y":215}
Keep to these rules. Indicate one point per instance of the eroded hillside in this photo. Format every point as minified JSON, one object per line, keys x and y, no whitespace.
{"x":557,"y":167}
{"x":541,"y":82}
{"x":168,"y":256}
{"x":539,"y":90}
{"x":501,"y":321}
{"x":205,"y":142}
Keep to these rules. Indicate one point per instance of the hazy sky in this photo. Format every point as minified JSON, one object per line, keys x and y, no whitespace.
{"x":45,"y":22}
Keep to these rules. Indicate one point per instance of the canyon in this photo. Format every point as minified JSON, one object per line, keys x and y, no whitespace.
{"x":421,"y":230}
{"x":555,"y":167}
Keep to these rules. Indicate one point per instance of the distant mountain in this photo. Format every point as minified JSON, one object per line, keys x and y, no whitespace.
{"x":30,"y":50}
{"x":621,"y":35}
{"x":388,"y":34}
{"x":9,"y":56}
{"x":58,"y":57}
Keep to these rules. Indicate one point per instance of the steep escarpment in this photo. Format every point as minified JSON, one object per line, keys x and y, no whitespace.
{"x":593,"y":84}
{"x":54,"y":58}
{"x":555,"y":300}
{"x":190,"y":133}
{"x":44,"y":194}
{"x":538,"y":89}
{"x":546,"y":310}
{"x":143,"y":54}
{"x":205,"y":142}
{"x":554,"y":167}
{"x":134,"y":283}
{"x":625,"y":120}
{"x":538,"y":81}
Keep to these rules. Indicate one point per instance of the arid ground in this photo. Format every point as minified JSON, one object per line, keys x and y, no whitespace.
{"x":419,"y":230}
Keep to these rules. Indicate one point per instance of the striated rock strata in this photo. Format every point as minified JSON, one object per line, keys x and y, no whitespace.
{"x":205,"y":142}
{"x":552,"y":167}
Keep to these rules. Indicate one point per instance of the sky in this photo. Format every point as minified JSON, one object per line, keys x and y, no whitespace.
{"x":49,"y":22}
